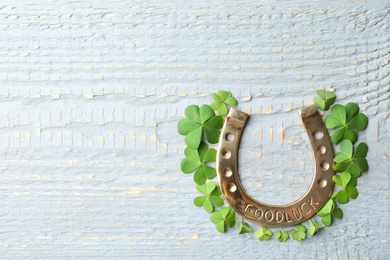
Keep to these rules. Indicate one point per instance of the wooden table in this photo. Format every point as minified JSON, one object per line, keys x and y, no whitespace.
{"x":91,"y":93}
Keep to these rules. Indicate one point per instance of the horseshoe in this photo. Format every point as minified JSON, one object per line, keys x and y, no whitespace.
{"x":275,"y":215}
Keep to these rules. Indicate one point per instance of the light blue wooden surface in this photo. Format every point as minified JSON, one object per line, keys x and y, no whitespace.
{"x":91,"y":92}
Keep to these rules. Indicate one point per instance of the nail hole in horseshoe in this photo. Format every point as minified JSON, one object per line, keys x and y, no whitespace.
{"x":226,"y":153}
{"x":325,"y":165}
{"x":232,"y":187}
{"x":229,"y":137}
{"x":227,"y":172}
{"x":318,"y":135}
{"x":322,"y":182}
{"x":321,"y":149}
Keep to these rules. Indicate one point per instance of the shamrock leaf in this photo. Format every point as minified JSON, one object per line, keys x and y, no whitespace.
{"x":313,"y":228}
{"x":212,"y":192}
{"x":221,"y":99}
{"x":325,"y":100}
{"x":243,"y":228}
{"x":329,"y":209}
{"x":282,"y":237}
{"x":347,"y":160}
{"x":198,"y":122}
{"x":345,"y":118}
{"x":220,"y":217}
{"x":299,"y":233}
{"x":263,"y":234}
{"x":348,"y":185}
{"x":196,"y":159}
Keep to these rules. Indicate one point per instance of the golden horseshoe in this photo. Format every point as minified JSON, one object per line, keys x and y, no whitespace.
{"x":271,"y":215}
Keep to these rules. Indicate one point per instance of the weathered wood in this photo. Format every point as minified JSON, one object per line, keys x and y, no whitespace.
{"x":90,"y":95}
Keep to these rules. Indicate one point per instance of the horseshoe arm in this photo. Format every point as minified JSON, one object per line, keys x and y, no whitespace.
{"x":275,"y":215}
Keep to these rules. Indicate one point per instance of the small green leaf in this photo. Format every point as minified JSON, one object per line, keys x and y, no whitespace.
{"x":263,"y":234}
{"x":345,"y":178}
{"x":314,"y":227}
{"x":299,"y":233}
{"x":342,"y":197}
{"x":221,"y":99}
{"x":243,"y":228}
{"x":356,"y":163}
{"x":231,"y":219}
{"x":210,"y":187}
{"x":217,"y":200}
{"x":208,"y":206}
{"x":198,"y":121}
{"x":188,"y":165}
{"x":327,"y":220}
{"x":338,"y":213}
{"x":346,"y":118}
{"x":325,"y":100}
{"x":220,"y":217}
{"x":198,"y":201}
{"x":282,"y":237}
{"x":352,"y":192}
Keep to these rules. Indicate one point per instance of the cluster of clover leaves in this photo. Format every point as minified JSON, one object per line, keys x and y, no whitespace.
{"x":202,"y":125}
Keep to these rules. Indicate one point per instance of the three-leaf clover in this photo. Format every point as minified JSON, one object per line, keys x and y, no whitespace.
{"x":198,"y":121}
{"x":348,"y":185}
{"x":220,"y":217}
{"x":282,"y":237}
{"x":325,"y":100}
{"x":196,"y":159}
{"x":351,"y":162}
{"x":263,"y":234}
{"x":345,"y":118}
{"x":243,"y":228}
{"x":330,"y":208}
{"x":221,"y":99}
{"x":299,"y":233}
{"x":313,"y":228}
{"x":212,"y":192}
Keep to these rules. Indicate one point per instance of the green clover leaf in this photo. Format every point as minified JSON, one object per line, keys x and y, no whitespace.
{"x":347,"y":160}
{"x":345,"y":118}
{"x":195,"y":161}
{"x":220,"y":217}
{"x":282,"y":237}
{"x":313,"y":228}
{"x":328,"y":210}
{"x":212,"y":192}
{"x":326,"y":99}
{"x":199,"y":121}
{"x":263,"y":234}
{"x":221,"y":99}
{"x":348,"y":185}
{"x":299,"y":233}
{"x":243,"y":228}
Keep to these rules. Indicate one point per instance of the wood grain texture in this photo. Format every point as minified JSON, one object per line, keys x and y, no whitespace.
{"x":90,"y":95}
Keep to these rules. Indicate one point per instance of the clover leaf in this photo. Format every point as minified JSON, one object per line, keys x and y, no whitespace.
{"x":347,"y":160}
{"x":325,"y":100}
{"x":313,"y":228}
{"x":220,"y":217}
{"x":221,"y":99}
{"x":243,"y":227}
{"x":299,"y":233}
{"x":348,"y":185}
{"x":282,"y":237}
{"x":196,"y":159}
{"x":212,"y":192}
{"x":345,"y":118}
{"x":263,"y":234}
{"x":198,"y":122}
{"x":330,"y":208}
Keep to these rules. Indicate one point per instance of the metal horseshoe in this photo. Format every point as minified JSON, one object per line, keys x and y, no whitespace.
{"x":275,"y":215}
